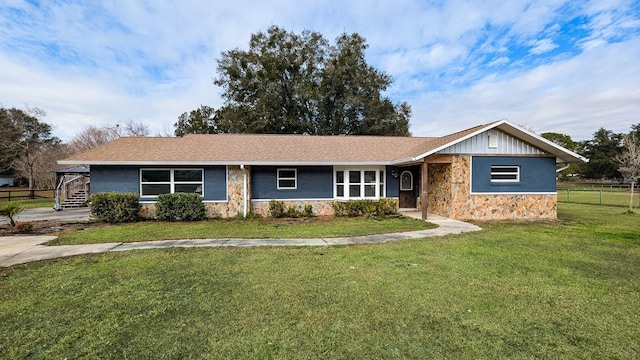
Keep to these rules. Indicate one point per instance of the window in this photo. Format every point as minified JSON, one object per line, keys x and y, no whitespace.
{"x":339,"y":183}
{"x":287,"y":178}
{"x":356,"y":183}
{"x":154,"y":182}
{"x":406,"y":181}
{"x":505,"y":173}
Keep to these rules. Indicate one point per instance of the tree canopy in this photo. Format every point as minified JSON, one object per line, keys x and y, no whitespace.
{"x":198,"y":121}
{"x":601,"y":152}
{"x":25,"y":141}
{"x":301,"y":84}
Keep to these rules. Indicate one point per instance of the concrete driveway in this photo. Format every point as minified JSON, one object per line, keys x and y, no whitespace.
{"x":42,"y":214}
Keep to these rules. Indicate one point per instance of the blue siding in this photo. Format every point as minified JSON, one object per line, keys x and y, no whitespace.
{"x":127,"y":179}
{"x":537,"y":174}
{"x":314,"y":182}
{"x":115,"y":179}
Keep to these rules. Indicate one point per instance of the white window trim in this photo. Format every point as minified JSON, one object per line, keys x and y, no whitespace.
{"x":362,"y":169}
{"x":411,"y":184}
{"x":172,"y":183}
{"x":516,"y":173}
{"x":294,"y":178}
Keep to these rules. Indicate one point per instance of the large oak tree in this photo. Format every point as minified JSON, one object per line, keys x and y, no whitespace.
{"x":301,"y":84}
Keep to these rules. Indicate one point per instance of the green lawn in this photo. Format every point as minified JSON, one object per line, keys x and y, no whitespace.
{"x":567,"y":289}
{"x":248,"y":229}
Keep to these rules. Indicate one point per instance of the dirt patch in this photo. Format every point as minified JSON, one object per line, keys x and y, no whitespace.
{"x":50,"y":227}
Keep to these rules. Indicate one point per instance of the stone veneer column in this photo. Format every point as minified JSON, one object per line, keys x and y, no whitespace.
{"x":234,"y":203}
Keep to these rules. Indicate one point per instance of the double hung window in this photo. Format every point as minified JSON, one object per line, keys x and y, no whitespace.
{"x":287,"y":179}
{"x":154,"y":182}
{"x":359,"y":183}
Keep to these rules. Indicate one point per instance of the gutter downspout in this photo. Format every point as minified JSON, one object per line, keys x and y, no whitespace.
{"x":244,"y":190}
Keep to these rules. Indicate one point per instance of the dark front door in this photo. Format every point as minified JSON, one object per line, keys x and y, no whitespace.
{"x":407,"y":191}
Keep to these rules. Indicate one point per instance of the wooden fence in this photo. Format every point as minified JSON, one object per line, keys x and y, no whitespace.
{"x":14,"y":194}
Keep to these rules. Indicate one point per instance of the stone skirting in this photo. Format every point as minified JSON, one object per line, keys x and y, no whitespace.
{"x":320,"y":207}
{"x":507,"y":207}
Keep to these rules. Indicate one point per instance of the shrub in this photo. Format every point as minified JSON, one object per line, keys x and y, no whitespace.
{"x":308,"y":210}
{"x":180,"y":206}
{"x":23,"y":227}
{"x":292,"y":212}
{"x":10,"y":209}
{"x":276,"y":209}
{"x":339,"y":208}
{"x":353,"y":208}
{"x":112,"y":207}
{"x":387,"y":206}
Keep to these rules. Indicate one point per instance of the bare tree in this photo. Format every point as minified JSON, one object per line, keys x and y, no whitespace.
{"x":93,"y":136}
{"x":629,"y":161}
{"x":134,"y":129}
{"x":43,"y":165}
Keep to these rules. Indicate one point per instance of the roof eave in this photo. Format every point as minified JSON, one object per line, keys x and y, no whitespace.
{"x":234,"y":162}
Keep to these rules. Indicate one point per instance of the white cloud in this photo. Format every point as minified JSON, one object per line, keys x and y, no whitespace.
{"x":576,"y":96}
{"x":541,"y":46}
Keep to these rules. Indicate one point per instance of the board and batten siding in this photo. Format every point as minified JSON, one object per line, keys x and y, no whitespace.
{"x":479,"y":144}
{"x":127,"y":179}
{"x":537,"y":174}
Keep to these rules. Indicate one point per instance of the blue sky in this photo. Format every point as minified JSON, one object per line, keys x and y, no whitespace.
{"x":563,"y":66}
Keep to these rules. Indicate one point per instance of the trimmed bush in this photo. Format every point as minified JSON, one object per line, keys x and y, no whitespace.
{"x":387,"y":206}
{"x":353,"y":208}
{"x":180,"y":206}
{"x":112,"y":207}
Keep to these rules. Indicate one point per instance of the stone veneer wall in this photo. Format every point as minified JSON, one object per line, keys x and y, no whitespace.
{"x":450,"y":195}
{"x":439,"y":189}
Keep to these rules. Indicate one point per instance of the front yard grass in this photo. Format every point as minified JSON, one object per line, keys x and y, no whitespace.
{"x":553,"y":290}
{"x":247,"y":229}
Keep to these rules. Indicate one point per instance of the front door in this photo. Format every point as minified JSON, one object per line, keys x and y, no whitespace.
{"x":407,"y":191}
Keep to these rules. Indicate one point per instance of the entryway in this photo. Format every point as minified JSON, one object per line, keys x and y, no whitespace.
{"x":408,"y":186}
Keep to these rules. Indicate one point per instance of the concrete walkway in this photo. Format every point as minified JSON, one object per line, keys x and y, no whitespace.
{"x":21,"y":249}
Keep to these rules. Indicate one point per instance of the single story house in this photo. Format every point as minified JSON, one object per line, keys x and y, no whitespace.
{"x":489,"y":172}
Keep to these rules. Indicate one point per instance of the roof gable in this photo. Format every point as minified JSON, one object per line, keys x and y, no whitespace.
{"x":513,"y":131}
{"x":502,"y":144}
